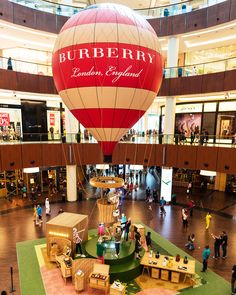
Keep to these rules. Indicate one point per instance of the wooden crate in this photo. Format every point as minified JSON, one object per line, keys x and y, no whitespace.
{"x":79,"y":282}
{"x":96,"y":283}
{"x":114,"y":290}
{"x":164,"y":275}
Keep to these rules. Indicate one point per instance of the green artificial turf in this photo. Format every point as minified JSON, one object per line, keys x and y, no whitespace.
{"x":30,"y":277}
{"x":212,"y":284}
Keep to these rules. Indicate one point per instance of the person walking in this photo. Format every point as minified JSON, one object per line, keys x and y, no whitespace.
{"x":224,"y":244}
{"x":47,"y":206}
{"x":162,"y":206}
{"x":185,"y":218}
{"x":205,"y":256}
{"x":39,"y":213}
{"x":9,"y":64}
{"x":117,"y":238}
{"x":191,"y":205}
{"x":233,"y":279}
{"x":208,"y":220}
{"x":149,"y":241}
{"x":217,"y":244}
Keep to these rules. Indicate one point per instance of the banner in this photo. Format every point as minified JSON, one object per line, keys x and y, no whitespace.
{"x":52,"y":119}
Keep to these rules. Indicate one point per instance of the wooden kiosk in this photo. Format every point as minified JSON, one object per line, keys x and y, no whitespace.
{"x":59,"y":230}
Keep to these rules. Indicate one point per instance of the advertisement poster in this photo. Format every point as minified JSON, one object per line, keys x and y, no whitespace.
{"x":187,"y":123}
{"x":52,"y":119}
{"x":4,"y":119}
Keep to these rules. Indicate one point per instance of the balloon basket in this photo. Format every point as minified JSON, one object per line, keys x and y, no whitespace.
{"x":107,"y":159}
{"x":105,"y":211}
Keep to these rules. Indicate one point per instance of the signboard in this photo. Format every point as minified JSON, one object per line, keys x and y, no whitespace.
{"x":4,"y":119}
{"x":166,"y":183}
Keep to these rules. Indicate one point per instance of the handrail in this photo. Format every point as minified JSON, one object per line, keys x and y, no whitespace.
{"x":172,"y":72}
{"x":137,"y":138}
{"x":151,"y":12}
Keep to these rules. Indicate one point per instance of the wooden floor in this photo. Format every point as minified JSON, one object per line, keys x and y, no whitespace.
{"x":18,"y":226}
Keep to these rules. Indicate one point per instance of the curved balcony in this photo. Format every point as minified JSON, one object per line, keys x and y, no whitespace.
{"x":178,"y":8}
{"x":17,"y":156}
{"x":196,"y":19}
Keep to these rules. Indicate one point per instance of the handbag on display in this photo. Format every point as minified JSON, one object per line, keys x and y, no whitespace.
{"x":185,"y":260}
{"x":177,"y":258}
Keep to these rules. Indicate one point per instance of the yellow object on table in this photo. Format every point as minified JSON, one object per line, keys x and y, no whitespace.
{"x":79,"y":281}
{"x":117,"y":289}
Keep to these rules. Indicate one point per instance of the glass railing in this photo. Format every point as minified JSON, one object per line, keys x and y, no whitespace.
{"x":26,"y":66}
{"x":201,"y":69}
{"x":185,"y":71}
{"x":177,"y":8}
{"x":178,"y":139}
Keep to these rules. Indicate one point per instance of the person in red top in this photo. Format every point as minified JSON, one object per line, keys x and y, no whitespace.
{"x":191,"y":205}
{"x":131,"y":187}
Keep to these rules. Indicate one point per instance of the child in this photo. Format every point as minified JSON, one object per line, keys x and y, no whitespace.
{"x":190,"y":244}
{"x":208,"y":220}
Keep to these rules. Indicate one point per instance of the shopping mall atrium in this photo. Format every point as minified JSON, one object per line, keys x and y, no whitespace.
{"x":117,"y":147}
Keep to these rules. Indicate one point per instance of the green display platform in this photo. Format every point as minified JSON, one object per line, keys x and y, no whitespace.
{"x":126,"y":251}
{"x":125,"y":267}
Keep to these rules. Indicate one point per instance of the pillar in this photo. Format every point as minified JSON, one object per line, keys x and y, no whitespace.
{"x":220,"y":181}
{"x":71,"y":183}
{"x":71,"y":125}
{"x":169,"y":126}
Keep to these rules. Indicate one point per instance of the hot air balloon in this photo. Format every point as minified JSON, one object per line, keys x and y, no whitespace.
{"x":107,"y":68}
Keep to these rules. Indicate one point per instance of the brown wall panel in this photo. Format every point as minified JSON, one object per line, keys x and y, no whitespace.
{"x":175,"y":86}
{"x":43,"y":21}
{"x":218,"y":14}
{"x":52,"y":154}
{"x":6,"y":10}
{"x":145,"y":154}
{"x":187,"y":157}
{"x":24,"y":16}
{"x":67,"y":154}
{"x":27,"y":81}
{"x":8,"y":79}
{"x":165,"y":86}
{"x":166,"y":26}
{"x":46,"y":85}
{"x":159,"y":150}
{"x":120,"y":154}
{"x":213,"y":81}
{"x":178,"y":24}
{"x":196,"y":20}
{"x":226,"y":160}
{"x":32,"y":155}
{"x":171,"y":155}
{"x":232,"y":10}
{"x":191,"y":85}
{"x":78,"y":153}
{"x":229,"y":80}
{"x":11,"y":157}
{"x":92,"y":154}
{"x":207,"y":158}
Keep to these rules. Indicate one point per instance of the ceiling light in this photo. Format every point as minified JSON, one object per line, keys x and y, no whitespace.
{"x":27,"y":30}
{"x":102,"y":166}
{"x":31,"y":170}
{"x":208,"y":31}
{"x":226,"y":38}
{"x":207,"y":173}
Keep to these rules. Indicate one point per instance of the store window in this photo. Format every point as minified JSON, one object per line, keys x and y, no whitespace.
{"x":10,"y":124}
{"x":208,"y":122}
{"x":186,"y":123}
{"x":226,"y":125}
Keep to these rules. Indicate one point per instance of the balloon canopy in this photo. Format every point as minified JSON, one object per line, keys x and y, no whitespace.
{"x":107,"y":68}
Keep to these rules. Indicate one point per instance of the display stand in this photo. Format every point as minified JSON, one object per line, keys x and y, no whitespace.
{"x":79,"y":281}
{"x":117,"y":289}
{"x":99,"y":278}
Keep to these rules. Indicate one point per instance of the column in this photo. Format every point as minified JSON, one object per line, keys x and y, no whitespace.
{"x":220,"y":181}
{"x":169,"y":125}
{"x":71,"y":125}
{"x":71,"y":183}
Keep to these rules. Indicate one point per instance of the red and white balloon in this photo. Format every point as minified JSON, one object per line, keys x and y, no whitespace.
{"x":107,"y":68}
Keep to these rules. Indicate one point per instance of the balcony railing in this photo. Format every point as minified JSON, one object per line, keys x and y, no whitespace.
{"x":155,"y":12}
{"x":185,"y":71}
{"x":178,"y":139}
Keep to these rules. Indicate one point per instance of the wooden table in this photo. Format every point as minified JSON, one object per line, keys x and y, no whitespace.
{"x":147,"y":261}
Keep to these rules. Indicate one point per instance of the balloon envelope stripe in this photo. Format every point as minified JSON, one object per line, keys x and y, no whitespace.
{"x":106,"y":16}
{"x":107,"y":118}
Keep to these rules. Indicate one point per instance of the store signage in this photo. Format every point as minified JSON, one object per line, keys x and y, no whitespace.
{"x":4,"y":119}
{"x":189,"y":108}
{"x":52,"y":119}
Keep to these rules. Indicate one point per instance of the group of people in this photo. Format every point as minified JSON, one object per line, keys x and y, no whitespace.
{"x":38,"y":212}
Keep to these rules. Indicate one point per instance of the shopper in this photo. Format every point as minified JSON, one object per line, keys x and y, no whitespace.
{"x":100,"y":249}
{"x":185,"y":218}
{"x":127,"y":227}
{"x":9,"y":64}
{"x":205,"y":256}
{"x":208,"y":220}
{"x":40,"y":213}
{"x":138,"y":245}
{"x":224,"y":244}
{"x":233,"y":279}
{"x":190,"y":244}
{"x":35,"y":213}
{"x":217,"y":244}
{"x":47,"y":206}
{"x":117,"y":238}
{"x":162,"y":206}
{"x":77,"y":240}
{"x":191,"y":205}
{"x":148,"y":240}
{"x":51,"y":130}
{"x":123,"y":221}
